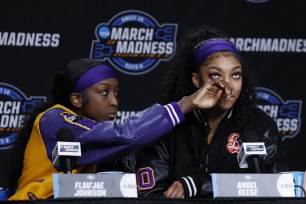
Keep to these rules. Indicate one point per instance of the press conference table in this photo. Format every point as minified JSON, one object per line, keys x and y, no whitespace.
{"x":167,"y":201}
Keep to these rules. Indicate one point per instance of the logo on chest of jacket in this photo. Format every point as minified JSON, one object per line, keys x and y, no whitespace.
{"x":233,"y":145}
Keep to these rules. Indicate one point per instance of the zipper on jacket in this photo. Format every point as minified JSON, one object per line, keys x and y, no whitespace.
{"x":206,"y":168}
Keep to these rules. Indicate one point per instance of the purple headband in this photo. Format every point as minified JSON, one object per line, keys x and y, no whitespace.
{"x":93,"y":76}
{"x":206,"y":48}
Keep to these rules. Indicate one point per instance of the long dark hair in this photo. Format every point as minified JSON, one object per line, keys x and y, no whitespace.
{"x":63,"y":85}
{"x":178,"y":82}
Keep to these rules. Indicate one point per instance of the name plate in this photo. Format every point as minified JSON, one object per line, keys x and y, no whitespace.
{"x":253,"y":185}
{"x":94,"y":185}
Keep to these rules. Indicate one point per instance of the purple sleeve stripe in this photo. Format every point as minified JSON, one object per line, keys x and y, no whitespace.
{"x":169,"y":115}
{"x":178,"y":112}
{"x":175,"y":114}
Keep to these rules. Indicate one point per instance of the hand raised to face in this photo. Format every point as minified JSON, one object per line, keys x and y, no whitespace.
{"x":209,"y":94}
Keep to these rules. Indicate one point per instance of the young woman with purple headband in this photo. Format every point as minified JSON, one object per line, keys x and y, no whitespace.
{"x":86,"y":101}
{"x":179,"y":165}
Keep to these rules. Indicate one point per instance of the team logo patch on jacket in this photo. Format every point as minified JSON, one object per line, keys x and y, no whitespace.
{"x":233,"y":143}
{"x":79,"y":121}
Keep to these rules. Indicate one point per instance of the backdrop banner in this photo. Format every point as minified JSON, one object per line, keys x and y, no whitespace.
{"x":139,"y":39}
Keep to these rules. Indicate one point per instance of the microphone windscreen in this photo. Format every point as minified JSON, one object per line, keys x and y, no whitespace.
{"x":64,"y":134}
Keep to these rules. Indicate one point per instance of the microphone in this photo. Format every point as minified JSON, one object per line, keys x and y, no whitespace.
{"x":66,"y":151}
{"x":251,"y":151}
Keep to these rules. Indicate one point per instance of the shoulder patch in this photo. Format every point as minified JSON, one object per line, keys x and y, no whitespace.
{"x":79,"y":121}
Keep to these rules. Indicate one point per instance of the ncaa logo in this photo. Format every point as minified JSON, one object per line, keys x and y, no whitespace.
{"x":14,"y":106}
{"x":287,"y":114}
{"x":134,"y":42}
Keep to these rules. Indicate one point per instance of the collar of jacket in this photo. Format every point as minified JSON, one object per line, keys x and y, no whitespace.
{"x":201,"y":119}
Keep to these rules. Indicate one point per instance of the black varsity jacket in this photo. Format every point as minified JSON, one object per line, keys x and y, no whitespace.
{"x":184,"y":155}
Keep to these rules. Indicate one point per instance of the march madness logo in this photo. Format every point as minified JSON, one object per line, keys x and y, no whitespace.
{"x":134,"y":42}
{"x":287,"y":114}
{"x":14,"y":106}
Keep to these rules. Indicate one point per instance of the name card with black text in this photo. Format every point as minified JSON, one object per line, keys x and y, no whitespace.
{"x":94,"y":185}
{"x":253,"y":185}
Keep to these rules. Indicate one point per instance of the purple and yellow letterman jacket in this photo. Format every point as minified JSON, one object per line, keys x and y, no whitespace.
{"x":100,"y":142}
